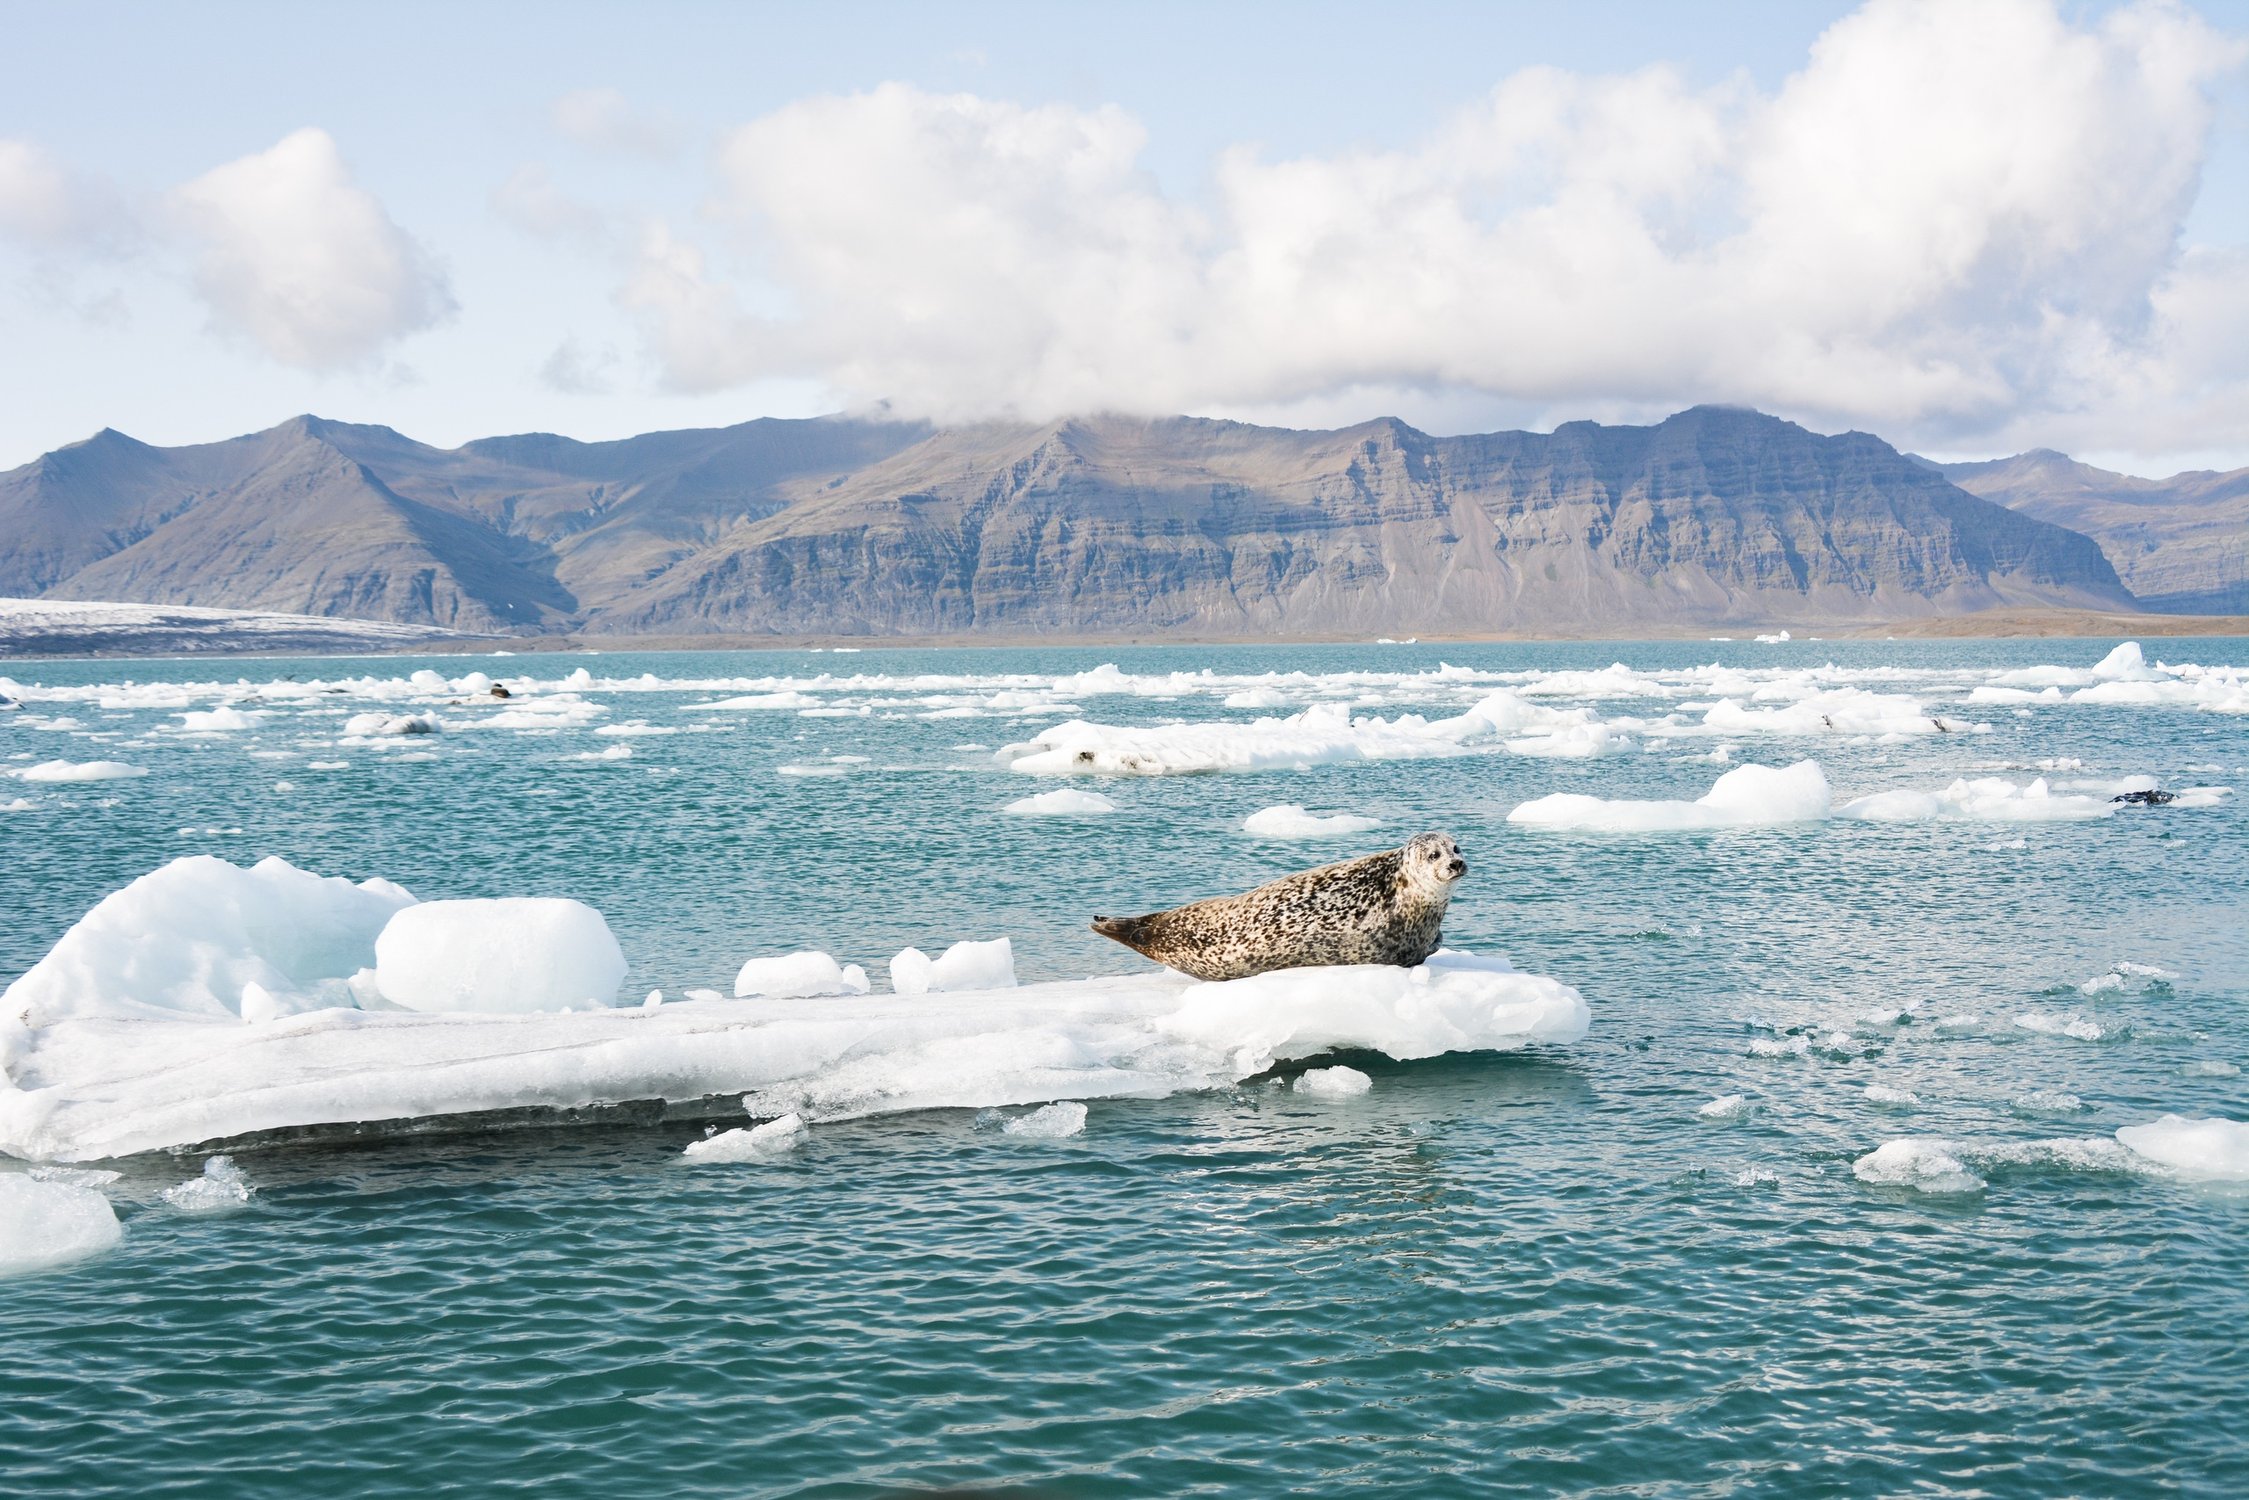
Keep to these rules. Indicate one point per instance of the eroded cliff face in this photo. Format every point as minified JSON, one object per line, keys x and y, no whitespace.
{"x":1114,"y":524}
{"x":2181,"y":544}
{"x":1097,"y":525}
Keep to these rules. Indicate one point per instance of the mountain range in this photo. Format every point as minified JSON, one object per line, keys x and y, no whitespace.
{"x":1104,"y":525}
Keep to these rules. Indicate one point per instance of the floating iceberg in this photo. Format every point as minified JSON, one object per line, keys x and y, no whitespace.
{"x":223,"y":1188}
{"x":2211,"y":1150}
{"x":1051,"y":1122}
{"x":1061,"y":802}
{"x":1333,"y":1083}
{"x":757,"y":1143}
{"x":1989,"y":799}
{"x":1745,"y":797}
{"x":83,"y":770}
{"x":518,"y":953}
{"x":93,"y":1082}
{"x":49,"y":1224}
{"x":1922,"y":1163}
{"x":797,"y":976}
{"x":964,"y":966}
{"x":190,"y":938}
{"x":1291,"y":821}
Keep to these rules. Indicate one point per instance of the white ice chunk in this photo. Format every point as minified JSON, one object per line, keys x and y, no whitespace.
{"x":797,"y":976}
{"x":2127,"y":663}
{"x":2055,"y":1023}
{"x":1049,"y":1123}
{"x":190,"y":937}
{"x":789,"y":699}
{"x":1289,"y":820}
{"x":1922,"y":1163}
{"x":48,"y":1224}
{"x":1991,"y":799}
{"x":974,"y":966}
{"x":1746,"y":797}
{"x":1333,"y":1083}
{"x":1321,"y":735}
{"x":2206,"y":1150}
{"x":1724,"y":1107}
{"x":222,"y":1188}
{"x":758,"y":1143}
{"x":224,"y":719}
{"x":517,"y":953}
{"x":1886,"y":1096}
{"x":81,"y":770}
{"x":1062,"y":802}
{"x":909,"y":972}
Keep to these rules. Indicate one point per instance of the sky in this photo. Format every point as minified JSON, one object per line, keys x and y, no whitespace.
{"x":1970,"y":226}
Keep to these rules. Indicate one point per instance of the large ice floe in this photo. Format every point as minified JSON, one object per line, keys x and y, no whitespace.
{"x":1323,"y":734}
{"x":206,"y":1003}
{"x":1745,"y":797}
{"x":1754,"y":796}
{"x":49,"y":1224}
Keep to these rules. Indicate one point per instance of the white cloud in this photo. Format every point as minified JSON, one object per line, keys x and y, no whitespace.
{"x":605,"y":120}
{"x":1960,"y":218}
{"x":574,"y":370}
{"x":44,"y":206}
{"x":292,"y":254}
{"x":531,"y":202}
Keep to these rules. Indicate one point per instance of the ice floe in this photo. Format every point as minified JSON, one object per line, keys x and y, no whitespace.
{"x":222,"y":1188}
{"x":764,"y":1142}
{"x":1986,"y":799}
{"x":1923,"y":1163}
{"x":1749,"y":796}
{"x":1289,"y":820}
{"x":48,"y":1224}
{"x":2205,"y":1150}
{"x":1333,"y":1083}
{"x":514,"y":953}
{"x":796,"y":976}
{"x":186,"y":940}
{"x":83,"y":770}
{"x":1050,"y":1122}
{"x":1061,"y":802}
{"x":988,"y":965}
{"x":1761,"y":796}
{"x":1725,"y":1107}
{"x":163,"y":1061}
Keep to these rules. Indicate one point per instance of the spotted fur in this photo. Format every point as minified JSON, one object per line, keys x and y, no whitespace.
{"x":1386,"y":908}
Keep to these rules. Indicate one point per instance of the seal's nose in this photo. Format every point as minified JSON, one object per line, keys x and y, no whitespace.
{"x":1457,"y":868}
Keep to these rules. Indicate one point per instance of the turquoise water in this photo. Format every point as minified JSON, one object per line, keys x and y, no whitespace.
{"x":1532,"y":1273}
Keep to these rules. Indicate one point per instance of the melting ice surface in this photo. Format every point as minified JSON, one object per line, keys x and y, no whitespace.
{"x":1665,"y":1213}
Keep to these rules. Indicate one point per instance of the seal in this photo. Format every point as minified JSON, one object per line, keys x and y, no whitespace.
{"x":1385,"y":908}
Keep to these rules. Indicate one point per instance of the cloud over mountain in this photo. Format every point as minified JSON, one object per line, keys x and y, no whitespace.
{"x":293,"y":255}
{"x":1961,"y":219}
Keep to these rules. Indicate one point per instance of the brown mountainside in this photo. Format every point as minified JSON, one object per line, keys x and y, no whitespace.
{"x":1105,"y":524}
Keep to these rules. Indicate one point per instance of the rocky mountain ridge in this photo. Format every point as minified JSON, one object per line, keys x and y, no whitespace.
{"x":844,"y":527}
{"x":2181,"y":544}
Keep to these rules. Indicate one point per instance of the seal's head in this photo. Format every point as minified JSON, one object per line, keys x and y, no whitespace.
{"x":1431,"y":863}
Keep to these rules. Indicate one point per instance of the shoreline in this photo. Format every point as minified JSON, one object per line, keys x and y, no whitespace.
{"x":75,"y":645}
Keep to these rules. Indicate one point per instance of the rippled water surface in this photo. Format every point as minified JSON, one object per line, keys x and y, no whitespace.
{"x":1540,"y":1272}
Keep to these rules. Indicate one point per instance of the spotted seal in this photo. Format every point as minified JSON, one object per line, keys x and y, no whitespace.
{"x":1383,"y":908}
